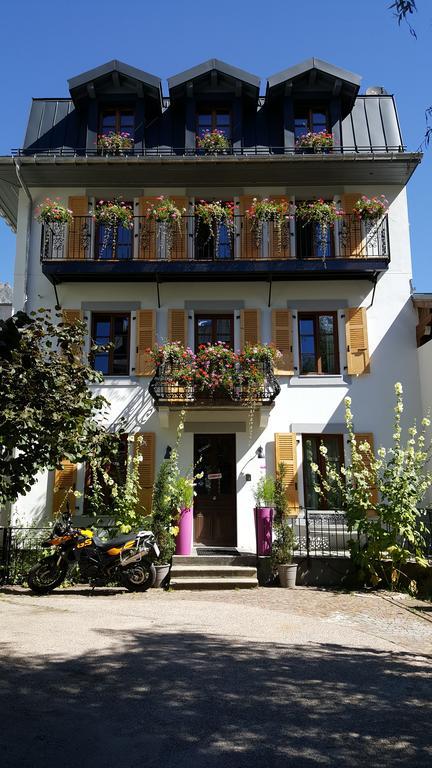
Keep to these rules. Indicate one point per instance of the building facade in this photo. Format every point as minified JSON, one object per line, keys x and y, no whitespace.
{"x":335,"y":300}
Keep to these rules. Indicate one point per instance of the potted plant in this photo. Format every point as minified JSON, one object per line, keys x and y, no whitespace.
{"x":113,"y":213}
{"x":215,"y":215}
{"x":168,"y":217}
{"x":315,"y":141}
{"x":370,"y":208}
{"x":263,"y":211}
{"x":213,"y":142}
{"x":113,"y":143}
{"x":162,"y":522}
{"x":264,"y":504}
{"x":53,"y":212}
{"x":282,"y":553}
{"x":322,"y":214}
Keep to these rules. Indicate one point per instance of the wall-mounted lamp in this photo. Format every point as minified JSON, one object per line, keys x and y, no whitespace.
{"x":259,"y":453}
{"x":168,"y":452}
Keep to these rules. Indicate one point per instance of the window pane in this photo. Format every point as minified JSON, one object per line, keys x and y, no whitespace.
{"x":126,"y":122}
{"x":307,"y":346}
{"x":224,"y":330}
{"x":205,"y":331}
{"x":310,"y":455}
{"x":101,"y":362}
{"x":327,"y":344}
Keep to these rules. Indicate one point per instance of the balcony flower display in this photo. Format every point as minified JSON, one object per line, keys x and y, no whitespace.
{"x":216,"y":368}
{"x":114,"y":143}
{"x":318,"y":141}
{"x":370,"y":208}
{"x":262,"y":211}
{"x":215,"y":215}
{"x":113,"y":213}
{"x":322,"y":212}
{"x":53,"y":212}
{"x":176,"y":361}
{"x":169,"y":218}
{"x":213,"y":142}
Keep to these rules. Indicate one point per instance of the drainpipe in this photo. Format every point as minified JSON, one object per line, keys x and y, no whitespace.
{"x":24,"y":186}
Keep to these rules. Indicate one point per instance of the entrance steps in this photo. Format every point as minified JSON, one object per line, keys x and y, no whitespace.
{"x":214,"y":572}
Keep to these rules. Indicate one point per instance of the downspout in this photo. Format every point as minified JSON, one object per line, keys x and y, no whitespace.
{"x":24,"y":186}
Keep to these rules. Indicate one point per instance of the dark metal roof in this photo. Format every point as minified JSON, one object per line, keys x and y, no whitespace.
{"x":372,"y":122}
{"x":309,"y":64}
{"x":213,"y":64}
{"x":88,"y":82}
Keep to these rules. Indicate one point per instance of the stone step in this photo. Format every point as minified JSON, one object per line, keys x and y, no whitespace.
{"x":247,"y":560}
{"x":213,"y":583}
{"x":212,"y":571}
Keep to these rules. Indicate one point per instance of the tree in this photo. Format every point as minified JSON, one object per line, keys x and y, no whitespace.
{"x":47,"y":410}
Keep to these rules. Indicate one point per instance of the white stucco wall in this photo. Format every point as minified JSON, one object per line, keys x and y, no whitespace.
{"x":314,"y":403}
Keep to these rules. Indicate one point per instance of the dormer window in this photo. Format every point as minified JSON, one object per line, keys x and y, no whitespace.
{"x":310,"y":120}
{"x":214,"y":119}
{"x":117,"y":120}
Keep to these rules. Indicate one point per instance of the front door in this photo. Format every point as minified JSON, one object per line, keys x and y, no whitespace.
{"x":215,"y":500}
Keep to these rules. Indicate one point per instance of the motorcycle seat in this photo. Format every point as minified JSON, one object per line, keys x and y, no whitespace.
{"x":119,"y":541}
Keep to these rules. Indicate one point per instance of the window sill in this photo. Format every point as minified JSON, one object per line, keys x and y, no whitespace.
{"x":117,"y":381}
{"x":324,"y":380}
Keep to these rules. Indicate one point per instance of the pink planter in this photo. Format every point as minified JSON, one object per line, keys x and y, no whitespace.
{"x":263,"y":527}
{"x":184,"y":536}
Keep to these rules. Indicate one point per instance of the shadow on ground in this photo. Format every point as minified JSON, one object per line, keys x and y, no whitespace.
{"x":190,"y":699}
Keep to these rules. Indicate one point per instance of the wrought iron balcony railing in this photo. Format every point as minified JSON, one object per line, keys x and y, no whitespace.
{"x":243,"y":151}
{"x":165,"y":389}
{"x":148,"y":241}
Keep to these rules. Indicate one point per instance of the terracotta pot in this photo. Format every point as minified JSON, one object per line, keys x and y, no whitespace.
{"x":162,"y":574}
{"x":287,"y":575}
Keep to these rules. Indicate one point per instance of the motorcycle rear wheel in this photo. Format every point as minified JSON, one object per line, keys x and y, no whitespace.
{"x":138,"y":577}
{"x":46,"y":575}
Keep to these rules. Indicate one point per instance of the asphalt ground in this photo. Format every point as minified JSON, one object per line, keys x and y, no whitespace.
{"x":241,"y":679}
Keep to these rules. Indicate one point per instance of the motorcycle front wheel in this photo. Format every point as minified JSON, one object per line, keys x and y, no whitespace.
{"x":46,"y":575}
{"x":138,"y":577}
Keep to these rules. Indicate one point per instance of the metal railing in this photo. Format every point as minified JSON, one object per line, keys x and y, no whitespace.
{"x":258,"y":150}
{"x":147,"y":240}
{"x":20,"y":548}
{"x":165,"y":388}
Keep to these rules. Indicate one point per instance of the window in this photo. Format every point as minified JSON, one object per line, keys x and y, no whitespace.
{"x":114,"y":241}
{"x":309,"y":119}
{"x":117,"y":120}
{"x":115,"y":468}
{"x":210,"y":248}
{"x":212,"y":119}
{"x":209,"y":329}
{"x":312,"y":453}
{"x":318,"y":342}
{"x":313,"y":241}
{"x":112,"y":328}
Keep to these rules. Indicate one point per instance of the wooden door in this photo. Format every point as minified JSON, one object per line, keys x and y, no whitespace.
{"x":215,"y":500}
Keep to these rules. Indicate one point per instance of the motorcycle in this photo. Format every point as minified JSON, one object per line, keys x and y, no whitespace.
{"x":126,"y":560}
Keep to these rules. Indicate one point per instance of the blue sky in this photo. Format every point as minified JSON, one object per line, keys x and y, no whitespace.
{"x":51,"y":42}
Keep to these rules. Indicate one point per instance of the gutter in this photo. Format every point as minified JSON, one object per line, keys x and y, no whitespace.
{"x":27,"y":245}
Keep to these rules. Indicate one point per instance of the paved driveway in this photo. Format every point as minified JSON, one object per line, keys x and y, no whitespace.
{"x":264,"y":678}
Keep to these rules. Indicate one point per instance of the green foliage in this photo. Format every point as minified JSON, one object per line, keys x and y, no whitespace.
{"x":47,"y":410}
{"x":280,"y":494}
{"x":381,"y":495}
{"x":283,"y":543}
{"x":264,"y":491}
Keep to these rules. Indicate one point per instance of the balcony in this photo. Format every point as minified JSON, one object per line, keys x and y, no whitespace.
{"x":166,"y":392}
{"x":150,"y":252}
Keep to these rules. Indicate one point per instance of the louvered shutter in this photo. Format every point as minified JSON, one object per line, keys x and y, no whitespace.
{"x":250,"y":331}
{"x":79,"y":206}
{"x":146,"y":339}
{"x":146,"y":230}
{"x":248,"y":246}
{"x":285,"y":250}
{"x":177,"y":326}
{"x":354,"y":242}
{"x":357,"y":341}
{"x":286,"y":454}
{"x":367,"y":437}
{"x":282,"y":339}
{"x":64,"y":487}
{"x":146,"y":471}
{"x":179,"y":250}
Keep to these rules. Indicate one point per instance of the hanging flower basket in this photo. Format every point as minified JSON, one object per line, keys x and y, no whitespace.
{"x":175,"y":360}
{"x":114,"y":143}
{"x":53,"y":212}
{"x":213,"y":142}
{"x":319,"y":141}
{"x":169,"y":217}
{"x":268,"y":210}
{"x":370,"y":208}
{"x":113,"y":213}
{"x":318,"y":211}
{"x":215,"y":215}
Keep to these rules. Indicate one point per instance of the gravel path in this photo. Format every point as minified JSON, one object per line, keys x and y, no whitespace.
{"x":266,"y":677}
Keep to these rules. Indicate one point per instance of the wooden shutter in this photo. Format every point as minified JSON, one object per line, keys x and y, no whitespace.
{"x":367,"y":437}
{"x":79,"y":206}
{"x":64,"y":486}
{"x":354,"y":242}
{"x":146,"y":470}
{"x":286,"y":454}
{"x":177,"y":326}
{"x":248,"y":247}
{"x":145,"y":339}
{"x":250,"y":330}
{"x":274,"y":252}
{"x":357,"y":341}
{"x":179,"y":249}
{"x":146,"y":230}
{"x":282,"y":339}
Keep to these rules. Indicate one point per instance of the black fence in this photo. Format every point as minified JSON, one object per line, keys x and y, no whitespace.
{"x":20,"y":548}
{"x":258,"y":150}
